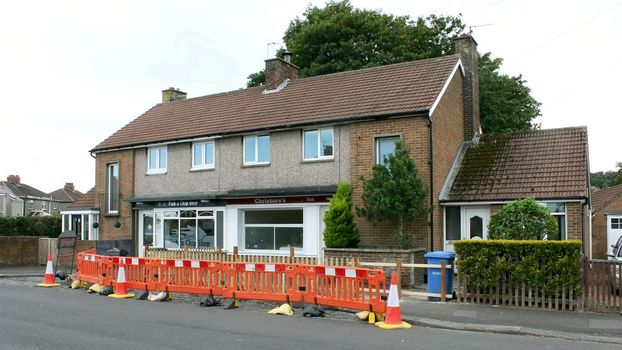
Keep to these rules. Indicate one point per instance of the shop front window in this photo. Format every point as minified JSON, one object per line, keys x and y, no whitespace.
{"x":188,"y":228}
{"x":273,"y":229}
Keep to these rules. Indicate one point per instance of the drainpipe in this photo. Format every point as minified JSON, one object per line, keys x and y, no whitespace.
{"x":431,"y":166}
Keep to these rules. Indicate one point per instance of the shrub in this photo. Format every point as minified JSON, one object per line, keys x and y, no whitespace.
{"x":341,"y":231}
{"x":522,"y":219}
{"x":49,"y":226}
{"x":548,"y":265}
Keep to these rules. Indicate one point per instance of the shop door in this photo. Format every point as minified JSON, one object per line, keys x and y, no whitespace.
{"x":614,"y":231}
{"x":476,"y":223}
{"x":145,"y":229}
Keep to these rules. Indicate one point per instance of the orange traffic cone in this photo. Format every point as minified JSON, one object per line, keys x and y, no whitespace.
{"x":393,"y":317}
{"x":121,"y":290}
{"x":49,"y":281}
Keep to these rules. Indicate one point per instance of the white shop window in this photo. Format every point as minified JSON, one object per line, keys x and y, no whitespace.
{"x":273,"y":229}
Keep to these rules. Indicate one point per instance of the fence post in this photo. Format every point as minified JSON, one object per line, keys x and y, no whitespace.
{"x":235,"y":253}
{"x":585,"y":292}
{"x":184,"y":253}
{"x":146,"y":251}
{"x":291,"y":254}
{"x":443,"y":280}
{"x":398,"y":268}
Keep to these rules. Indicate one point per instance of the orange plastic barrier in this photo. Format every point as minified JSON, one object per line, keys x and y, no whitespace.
{"x":352,"y":288}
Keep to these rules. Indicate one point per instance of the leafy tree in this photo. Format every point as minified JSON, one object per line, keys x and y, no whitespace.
{"x":338,"y":38}
{"x":395,"y":192}
{"x":601,"y":179}
{"x":617,"y":178}
{"x":505,"y":101}
{"x":522,"y":219}
{"x":340,"y":230}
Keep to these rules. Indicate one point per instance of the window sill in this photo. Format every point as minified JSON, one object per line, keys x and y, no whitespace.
{"x":111,"y":215}
{"x":320,"y":160}
{"x":255,"y":165}
{"x":202,"y":169}
{"x":156,"y":173}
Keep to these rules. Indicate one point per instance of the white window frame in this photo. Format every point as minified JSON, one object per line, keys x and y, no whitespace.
{"x":256,"y":138}
{"x":564,"y":213}
{"x":319,"y":144}
{"x":377,"y":144}
{"x":203,"y":164}
{"x":243,"y":226}
{"x":158,"y":169}
{"x":109,"y":189}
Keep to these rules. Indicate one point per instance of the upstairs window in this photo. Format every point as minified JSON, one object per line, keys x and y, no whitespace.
{"x":256,"y":149}
{"x":203,"y":155}
{"x":384,"y":147}
{"x":318,"y":144}
{"x":156,"y":160}
{"x":112,"y":188}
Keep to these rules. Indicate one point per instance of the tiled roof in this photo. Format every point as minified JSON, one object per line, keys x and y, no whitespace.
{"x":602,"y":197}
{"x":545,"y":164}
{"x":403,"y":88}
{"x":23,"y":190}
{"x":66,"y":195}
{"x":86,"y":201}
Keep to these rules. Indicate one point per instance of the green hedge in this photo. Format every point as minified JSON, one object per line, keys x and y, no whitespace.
{"x":540,"y":264}
{"x":45,"y":226}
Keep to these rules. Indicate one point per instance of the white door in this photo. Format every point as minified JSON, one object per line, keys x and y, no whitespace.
{"x":146,"y":228}
{"x":614,"y":230}
{"x":475,"y":223}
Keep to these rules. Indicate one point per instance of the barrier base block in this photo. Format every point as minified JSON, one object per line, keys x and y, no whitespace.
{"x":121,"y":296}
{"x":48,"y":285}
{"x":384,"y":325}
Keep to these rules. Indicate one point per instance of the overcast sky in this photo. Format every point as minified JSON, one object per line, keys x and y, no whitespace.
{"x":74,"y":72}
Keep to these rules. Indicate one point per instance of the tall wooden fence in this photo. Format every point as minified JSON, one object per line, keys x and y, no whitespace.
{"x":603,"y":285}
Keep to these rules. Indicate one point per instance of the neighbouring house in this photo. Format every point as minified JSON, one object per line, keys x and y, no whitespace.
{"x":66,"y":195}
{"x":256,"y":167}
{"x":19,"y":199}
{"x":82,"y":216}
{"x":549,"y":165}
{"x":606,"y":220}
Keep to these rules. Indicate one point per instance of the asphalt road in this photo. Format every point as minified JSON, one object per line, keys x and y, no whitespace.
{"x":37,"y":318}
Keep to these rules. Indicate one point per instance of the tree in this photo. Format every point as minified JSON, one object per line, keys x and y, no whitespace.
{"x":601,"y":179}
{"x":395,"y":192}
{"x":617,"y":178}
{"x":340,"y":230}
{"x":338,"y":38}
{"x":522,"y":219}
{"x":505,"y":101}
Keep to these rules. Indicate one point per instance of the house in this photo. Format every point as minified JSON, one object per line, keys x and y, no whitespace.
{"x":82,"y":217}
{"x":255,"y":168}
{"x":66,"y":195}
{"x":549,"y":165}
{"x":19,"y":199}
{"x":606,"y":220}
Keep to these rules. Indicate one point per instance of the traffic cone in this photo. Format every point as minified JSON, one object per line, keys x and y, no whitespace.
{"x":49,"y":281}
{"x":393,"y":317}
{"x":121,"y":291}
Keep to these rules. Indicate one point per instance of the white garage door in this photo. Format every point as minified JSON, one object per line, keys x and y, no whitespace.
{"x":614,"y":230}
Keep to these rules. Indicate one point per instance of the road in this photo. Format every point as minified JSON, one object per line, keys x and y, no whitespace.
{"x":38,"y":318}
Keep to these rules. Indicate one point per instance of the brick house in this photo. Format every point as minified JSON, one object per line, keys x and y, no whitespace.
{"x":20,"y":199}
{"x":606,"y":220}
{"x":66,"y":195}
{"x":255,"y":168}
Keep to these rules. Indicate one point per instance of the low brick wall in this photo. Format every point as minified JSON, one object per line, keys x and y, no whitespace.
{"x":18,"y":250}
{"x":410,"y":276}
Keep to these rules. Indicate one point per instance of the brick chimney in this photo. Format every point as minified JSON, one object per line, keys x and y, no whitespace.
{"x":69,"y":186}
{"x":14,"y":179}
{"x":466,"y":47}
{"x":278,"y":70}
{"x":172,"y":94}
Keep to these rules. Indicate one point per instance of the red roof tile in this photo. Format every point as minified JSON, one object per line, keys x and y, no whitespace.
{"x":545,"y":164}
{"x":86,"y":201}
{"x":410,"y":87}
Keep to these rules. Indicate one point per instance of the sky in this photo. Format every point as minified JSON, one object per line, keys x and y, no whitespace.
{"x":74,"y":72}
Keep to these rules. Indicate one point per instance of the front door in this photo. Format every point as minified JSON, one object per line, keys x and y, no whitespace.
{"x":145,"y":230}
{"x":614,"y":230}
{"x":475,"y":223}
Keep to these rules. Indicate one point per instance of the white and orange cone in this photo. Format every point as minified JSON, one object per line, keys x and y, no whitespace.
{"x":393,"y":317}
{"x":121,"y":290}
{"x":49,"y":280}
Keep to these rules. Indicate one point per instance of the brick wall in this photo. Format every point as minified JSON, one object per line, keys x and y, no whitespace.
{"x":107,"y":229}
{"x":19,"y":250}
{"x":600,"y":246}
{"x":410,"y":256}
{"x":573,"y":221}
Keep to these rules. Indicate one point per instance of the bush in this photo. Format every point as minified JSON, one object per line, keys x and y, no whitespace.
{"x":548,"y":265}
{"x":522,"y":219}
{"x":49,"y":226}
{"x":341,"y":231}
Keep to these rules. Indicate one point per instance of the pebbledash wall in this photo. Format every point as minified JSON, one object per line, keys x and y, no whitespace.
{"x":447,"y":135}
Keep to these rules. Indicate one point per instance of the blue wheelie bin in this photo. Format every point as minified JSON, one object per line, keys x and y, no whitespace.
{"x":434,"y":274}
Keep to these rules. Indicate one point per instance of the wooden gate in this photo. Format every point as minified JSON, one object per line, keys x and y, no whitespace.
{"x":602,"y":285}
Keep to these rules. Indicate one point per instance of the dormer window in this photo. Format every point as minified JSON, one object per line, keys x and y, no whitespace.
{"x":156,"y":160}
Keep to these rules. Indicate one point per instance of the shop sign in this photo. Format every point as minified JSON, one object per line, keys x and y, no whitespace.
{"x":281,"y":200}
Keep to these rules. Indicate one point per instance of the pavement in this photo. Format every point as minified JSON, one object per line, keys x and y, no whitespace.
{"x":568,"y":325}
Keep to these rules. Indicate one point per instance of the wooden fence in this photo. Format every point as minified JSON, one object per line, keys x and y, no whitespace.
{"x":603,"y":285}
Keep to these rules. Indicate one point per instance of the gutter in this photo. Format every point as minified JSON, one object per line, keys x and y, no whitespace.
{"x":431,"y":166}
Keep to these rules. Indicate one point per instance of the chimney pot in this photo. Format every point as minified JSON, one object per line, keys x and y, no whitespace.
{"x":172,"y":94}
{"x":14,"y":179}
{"x":69,"y":186}
{"x":287,"y":56}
